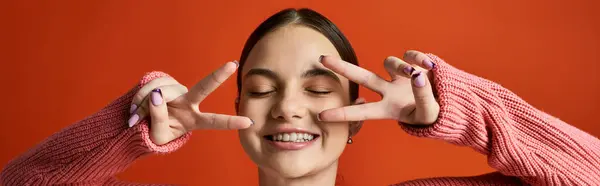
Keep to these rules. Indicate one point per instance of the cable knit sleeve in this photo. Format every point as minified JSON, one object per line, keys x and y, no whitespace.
{"x":520,"y":141}
{"x":91,"y":151}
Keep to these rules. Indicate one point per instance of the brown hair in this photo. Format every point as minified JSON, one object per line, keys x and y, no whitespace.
{"x":311,"y":19}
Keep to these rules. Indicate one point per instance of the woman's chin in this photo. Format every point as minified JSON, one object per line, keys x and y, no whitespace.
{"x":290,"y":167}
{"x":290,"y":172}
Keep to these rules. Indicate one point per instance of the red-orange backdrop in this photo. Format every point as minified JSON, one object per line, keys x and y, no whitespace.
{"x":64,"y":60}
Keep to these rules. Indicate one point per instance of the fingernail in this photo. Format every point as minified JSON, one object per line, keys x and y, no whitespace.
{"x":319,"y":117}
{"x":237,"y":64}
{"x":133,"y":108}
{"x":157,"y":97}
{"x":409,"y":70}
{"x":429,"y":64}
{"x":133,"y":119}
{"x":252,"y":122}
{"x":418,"y":80}
{"x":321,"y":58}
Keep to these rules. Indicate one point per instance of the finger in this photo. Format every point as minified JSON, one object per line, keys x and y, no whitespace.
{"x":419,"y":59}
{"x":427,"y":108}
{"x":169,"y":93}
{"x":221,"y":121}
{"x":360,"y":112}
{"x":356,"y":125}
{"x":146,"y":89}
{"x":211,"y":82}
{"x":354,"y":73}
{"x":397,"y":68}
{"x":360,"y":100}
{"x":158,"y":111}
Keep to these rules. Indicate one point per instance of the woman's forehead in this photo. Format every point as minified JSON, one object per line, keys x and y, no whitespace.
{"x":291,"y":49}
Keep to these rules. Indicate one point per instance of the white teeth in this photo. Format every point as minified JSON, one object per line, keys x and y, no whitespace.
{"x":292,"y":137}
{"x":286,"y":137}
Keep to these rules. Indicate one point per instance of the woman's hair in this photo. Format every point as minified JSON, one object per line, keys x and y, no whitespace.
{"x":305,"y":17}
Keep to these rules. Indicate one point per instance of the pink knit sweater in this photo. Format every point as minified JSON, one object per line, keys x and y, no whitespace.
{"x":525,"y":145}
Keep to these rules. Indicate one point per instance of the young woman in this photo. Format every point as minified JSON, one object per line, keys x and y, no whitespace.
{"x":298,"y":107}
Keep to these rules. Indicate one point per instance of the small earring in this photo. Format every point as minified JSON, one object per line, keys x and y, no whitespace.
{"x":349,"y":140}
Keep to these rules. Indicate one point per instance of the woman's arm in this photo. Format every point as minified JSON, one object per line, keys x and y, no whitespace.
{"x":91,"y":151}
{"x":519,"y":140}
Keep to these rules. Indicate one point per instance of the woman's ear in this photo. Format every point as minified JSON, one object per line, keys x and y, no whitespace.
{"x":237,"y":106}
{"x":356,"y":125}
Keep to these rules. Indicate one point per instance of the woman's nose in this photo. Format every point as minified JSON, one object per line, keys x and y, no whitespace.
{"x":290,"y":108}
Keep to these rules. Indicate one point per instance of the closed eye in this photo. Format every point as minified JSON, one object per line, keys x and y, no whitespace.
{"x":319,"y":92}
{"x":260,"y":94}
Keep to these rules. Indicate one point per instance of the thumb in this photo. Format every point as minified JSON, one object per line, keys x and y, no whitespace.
{"x":159,"y":116}
{"x":427,"y":108}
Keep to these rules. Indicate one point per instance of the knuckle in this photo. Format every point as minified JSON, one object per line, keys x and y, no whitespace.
{"x":391,"y":62}
{"x":229,"y":126}
{"x":143,"y":109}
{"x":203,"y":91}
{"x":390,"y":59}
{"x":213,"y":120}
{"x":410,"y":54}
{"x":363,"y":107}
{"x":366,"y":79}
{"x":162,"y":81}
{"x":423,"y":99}
{"x":342,"y":68}
{"x":165,"y":79}
{"x":137,"y":99}
{"x":216,"y":78}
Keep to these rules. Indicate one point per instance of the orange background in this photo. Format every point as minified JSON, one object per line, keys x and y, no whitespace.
{"x":64,"y":60}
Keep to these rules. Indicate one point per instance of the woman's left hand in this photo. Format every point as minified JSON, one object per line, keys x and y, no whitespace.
{"x":407,"y":98}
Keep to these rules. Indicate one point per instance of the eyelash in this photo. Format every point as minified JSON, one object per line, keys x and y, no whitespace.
{"x":319,"y":92}
{"x":259,"y":94}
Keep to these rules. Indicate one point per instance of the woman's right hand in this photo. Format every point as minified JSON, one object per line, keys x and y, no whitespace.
{"x":174,"y":111}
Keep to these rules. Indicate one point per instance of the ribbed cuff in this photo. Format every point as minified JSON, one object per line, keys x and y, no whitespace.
{"x":143,"y":128}
{"x":460,"y":115}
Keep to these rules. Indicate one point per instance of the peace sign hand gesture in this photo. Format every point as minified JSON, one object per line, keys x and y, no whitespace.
{"x":174,"y":111}
{"x":407,"y":98}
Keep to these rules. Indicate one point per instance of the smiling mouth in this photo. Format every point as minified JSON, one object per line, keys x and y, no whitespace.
{"x":293,"y":137}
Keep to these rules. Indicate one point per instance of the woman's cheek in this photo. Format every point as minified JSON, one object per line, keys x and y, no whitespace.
{"x":254,"y":108}
{"x":328,"y":103}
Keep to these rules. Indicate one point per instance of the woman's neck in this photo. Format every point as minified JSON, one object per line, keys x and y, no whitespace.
{"x":325,"y":177}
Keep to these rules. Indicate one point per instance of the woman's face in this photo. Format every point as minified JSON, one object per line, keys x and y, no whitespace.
{"x":284,"y":87}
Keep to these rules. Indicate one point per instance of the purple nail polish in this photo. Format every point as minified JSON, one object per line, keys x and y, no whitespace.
{"x":132,"y":109}
{"x":157,"y":97}
{"x":133,"y":119}
{"x":321,"y":58}
{"x":409,"y":70}
{"x":428,"y":64}
{"x":418,"y":80}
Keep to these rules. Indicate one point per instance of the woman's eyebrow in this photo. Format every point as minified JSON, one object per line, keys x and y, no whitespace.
{"x":262,"y":72}
{"x":321,"y":72}
{"x":308,"y":74}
